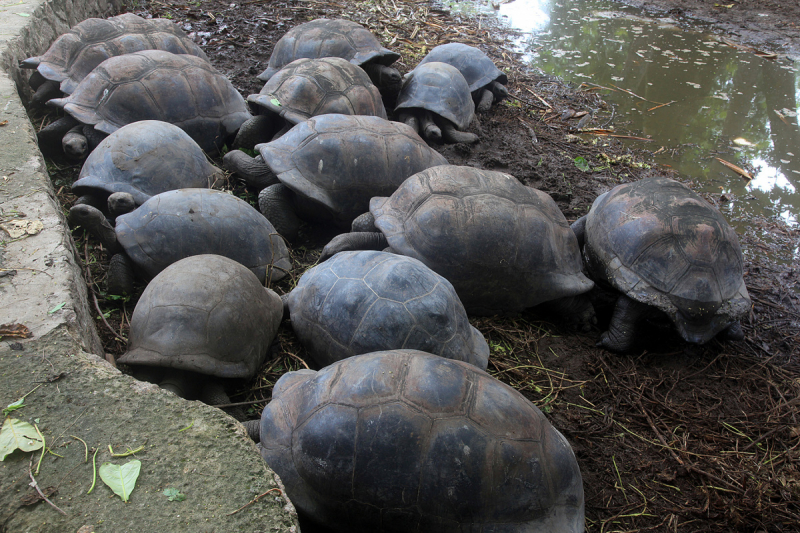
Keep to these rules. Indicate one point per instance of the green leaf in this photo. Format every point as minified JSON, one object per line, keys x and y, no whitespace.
{"x":57,"y":308}
{"x":274,"y":101}
{"x":18,"y":434}
{"x":174,"y":495}
{"x":121,"y":479}
{"x":23,"y":14}
{"x":581,"y":163}
{"x":14,"y":406}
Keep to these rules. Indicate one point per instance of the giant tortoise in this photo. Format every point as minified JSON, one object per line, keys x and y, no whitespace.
{"x":205,"y":316}
{"x":181,"y":223}
{"x":87,"y":44}
{"x":665,"y":248}
{"x":435,"y":100}
{"x":504,"y":246}
{"x":404,"y":441}
{"x":327,"y":168}
{"x":151,"y":85}
{"x":486,"y":82}
{"x":143,"y":158}
{"x":360,"y":302}
{"x":335,"y":38}
{"x":306,"y":88}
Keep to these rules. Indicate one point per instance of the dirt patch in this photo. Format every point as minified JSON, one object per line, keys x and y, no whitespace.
{"x":672,"y":438}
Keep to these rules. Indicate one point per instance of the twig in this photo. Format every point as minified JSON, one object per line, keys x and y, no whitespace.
{"x":662,"y":105}
{"x":36,"y":486}
{"x":254,"y":500}
{"x":237,"y":404}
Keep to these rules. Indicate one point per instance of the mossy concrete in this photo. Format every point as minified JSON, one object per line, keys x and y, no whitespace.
{"x":189,"y":446}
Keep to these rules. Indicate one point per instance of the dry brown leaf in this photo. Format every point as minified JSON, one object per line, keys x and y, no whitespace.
{"x":15,"y":330}
{"x":742,"y":172}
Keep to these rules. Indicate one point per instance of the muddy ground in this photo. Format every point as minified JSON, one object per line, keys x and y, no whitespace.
{"x":673,"y":437}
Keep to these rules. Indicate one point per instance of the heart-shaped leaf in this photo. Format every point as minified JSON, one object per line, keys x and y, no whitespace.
{"x":121,"y":479}
{"x":18,"y":434}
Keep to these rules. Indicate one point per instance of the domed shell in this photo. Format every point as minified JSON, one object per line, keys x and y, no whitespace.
{"x":360,"y":302}
{"x":328,"y":38}
{"x":661,"y":244}
{"x":341,"y":161}
{"x":206,"y":314}
{"x":177,"y":224}
{"x":440,"y":88}
{"x":309,"y":87}
{"x":503,"y":246}
{"x":153,"y":85}
{"x":76,"y":53}
{"x":404,"y":441}
{"x":476,"y":67}
{"x":145,"y":158}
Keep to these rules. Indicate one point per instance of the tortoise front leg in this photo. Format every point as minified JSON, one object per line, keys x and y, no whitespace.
{"x":451,"y":135}
{"x":119,"y":279}
{"x":499,"y":90}
{"x":46,"y":91}
{"x":621,"y":332}
{"x":253,"y":428}
{"x":409,"y":119}
{"x":484,"y":100}
{"x":276,"y":202}
{"x":579,"y":229}
{"x":734,"y":332}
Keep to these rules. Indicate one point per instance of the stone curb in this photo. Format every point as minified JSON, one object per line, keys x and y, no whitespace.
{"x":42,"y":289}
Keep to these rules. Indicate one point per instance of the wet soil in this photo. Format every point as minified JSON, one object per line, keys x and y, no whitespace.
{"x":768,"y":25}
{"x":672,"y":437}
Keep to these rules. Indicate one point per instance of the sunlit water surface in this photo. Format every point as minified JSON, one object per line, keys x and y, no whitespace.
{"x":724,"y":102}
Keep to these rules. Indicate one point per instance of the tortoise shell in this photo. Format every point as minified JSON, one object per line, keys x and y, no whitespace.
{"x":76,"y":53}
{"x":660,"y":243}
{"x":328,"y":38}
{"x":145,"y":158}
{"x":339,"y":162}
{"x":177,"y":224}
{"x":474,"y":65}
{"x":153,"y":85}
{"x":503,"y":246}
{"x":404,"y":441}
{"x":359,"y":302}
{"x":206,"y":314}
{"x":309,"y":87}
{"x":441,"y":89}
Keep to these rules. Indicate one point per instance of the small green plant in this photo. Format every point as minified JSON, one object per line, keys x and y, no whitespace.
{"x":174,"y":495}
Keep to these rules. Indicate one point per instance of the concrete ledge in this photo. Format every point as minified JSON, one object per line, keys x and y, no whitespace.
{"x":41,"y":288}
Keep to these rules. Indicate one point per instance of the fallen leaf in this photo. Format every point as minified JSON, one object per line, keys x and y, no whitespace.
{"x":742,"y":172}
{"x":15,"y":330}
{"x":59,"y":307}
{"x":121,"y":479}
{"x":20,"y":228}
{"x":4,"y":123}
{"x":18,"y":434}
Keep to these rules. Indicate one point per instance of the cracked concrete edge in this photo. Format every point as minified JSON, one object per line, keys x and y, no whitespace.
{"x":41,"y":286}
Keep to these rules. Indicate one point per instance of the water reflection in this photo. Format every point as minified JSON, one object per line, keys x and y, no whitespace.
{"x":715,"y":94}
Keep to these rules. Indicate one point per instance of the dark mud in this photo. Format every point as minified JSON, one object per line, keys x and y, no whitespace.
{"x":671,"y":438}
